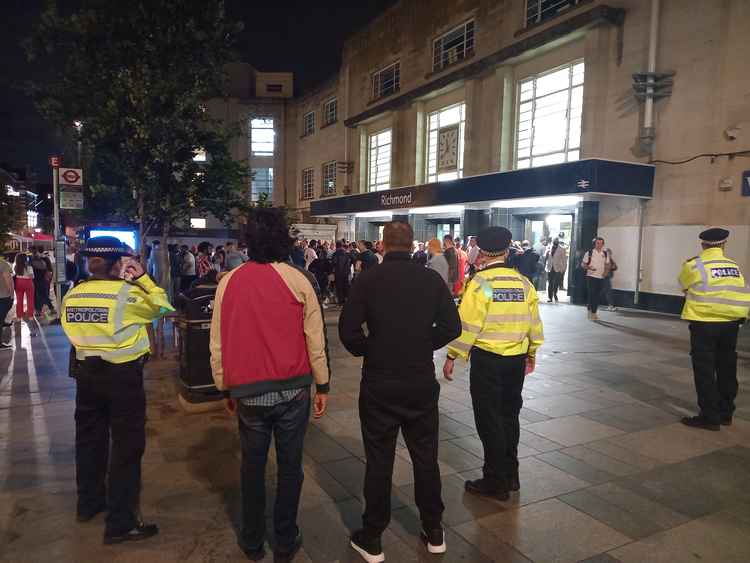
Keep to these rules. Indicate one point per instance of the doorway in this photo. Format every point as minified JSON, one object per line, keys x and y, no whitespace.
{"x":539,"y":228}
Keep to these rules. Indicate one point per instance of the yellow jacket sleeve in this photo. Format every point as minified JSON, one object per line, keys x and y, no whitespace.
{"x":150,"y":301}
{"x":472,"y":311}
{"x":687,"y":275}
{"x":536,"y":331}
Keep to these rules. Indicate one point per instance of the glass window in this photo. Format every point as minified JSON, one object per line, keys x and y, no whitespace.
{"x":439,"y":124}
{"x":308,"y":180}
{"x":329,"y":178}
{"x":197,"y":223}
{"x":387,"y":81}
{"x":454,"y":46}
{"x":32,"y":219}
{"x":262,"y":137}
{"x":330,"y":111}
{"x":308,"y":124}
{"x":379,"y":164}
{"x":262,"y":183}
{"x":550,"y":106}
{"x":538,"y":11}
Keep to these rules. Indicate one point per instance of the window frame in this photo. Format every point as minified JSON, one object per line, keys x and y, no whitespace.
{"x":269,"y":182}
{"x":327,"y":119}
{"x":437,"y":58}
{"x":535,"y":77}
{"x":375,"y":77}
{"x":272,"y":128}
{"x":311,"y":123}
{"x":461,"y":142}
{"x":306,"y":195}
{"x":374,"y":187}
{"x":326,"y":176}
{"x":539,"y":20}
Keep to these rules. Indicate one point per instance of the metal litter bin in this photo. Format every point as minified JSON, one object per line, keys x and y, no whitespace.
{"x":194,"y":325}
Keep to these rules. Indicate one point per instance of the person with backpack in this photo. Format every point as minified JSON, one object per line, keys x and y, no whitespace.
{"x":607,"y":294}
{"x":596,"y":264}
{"x":42,"y":278}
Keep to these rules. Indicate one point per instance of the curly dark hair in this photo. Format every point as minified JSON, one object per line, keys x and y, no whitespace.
{"x":267,"y":235}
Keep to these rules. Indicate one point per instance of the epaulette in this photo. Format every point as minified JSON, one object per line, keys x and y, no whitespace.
{"x":691,"y":259}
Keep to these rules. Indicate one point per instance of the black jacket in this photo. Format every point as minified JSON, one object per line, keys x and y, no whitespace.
{"x":420,"y":257}
{"x":342,"y":264}
{"x":409,"y":313}
{"x":527,"y":262}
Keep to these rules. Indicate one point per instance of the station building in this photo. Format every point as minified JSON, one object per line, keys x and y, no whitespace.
{"x":627,"y":119}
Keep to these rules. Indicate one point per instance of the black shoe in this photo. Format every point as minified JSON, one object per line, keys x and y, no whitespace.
{"x":287,"y":553}
{"x":140,"y":532}
{"x":726,"y":421}
{"x":483,"y":488}
{"x":371,"y":550}
{"x":700,"y":422}
{"x":434,"y":540}
{"x":88,"y":515}
{"x":256,"y":554}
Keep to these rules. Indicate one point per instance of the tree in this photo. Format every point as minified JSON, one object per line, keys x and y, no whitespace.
{"x":137,"y":75}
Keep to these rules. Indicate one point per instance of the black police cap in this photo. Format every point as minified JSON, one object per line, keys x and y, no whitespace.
{"x":715,"y":235}
{"x":106,"y":247}
{"x":494,"y":240}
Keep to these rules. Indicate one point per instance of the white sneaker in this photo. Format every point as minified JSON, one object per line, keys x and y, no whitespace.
{"x":612,"y":308}
{"x":5,"y":346}
{"x":594,"y":317}
{"x":435,"y":541}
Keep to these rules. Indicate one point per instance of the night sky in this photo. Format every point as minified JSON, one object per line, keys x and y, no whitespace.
{"x":297,"y":36}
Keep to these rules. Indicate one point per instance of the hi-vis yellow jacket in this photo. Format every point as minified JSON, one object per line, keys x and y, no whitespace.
{"x":108,"y":318}
{"x":715,"y":289}
{"x":499,"y":314}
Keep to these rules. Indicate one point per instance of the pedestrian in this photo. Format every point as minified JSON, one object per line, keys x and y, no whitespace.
{"x":43,"y":272}
{"x":607,"y":293}
{"x":379,"y":252}
{"x":420,"y":256}
{"x":342,"y":271}
{"x":234,"y":257}
{"x":311,"y":253}
{"x":156,"y":263}
{"x":321,"y":269}
{"x":451,"y":257}
{"x":106,"y":320}
{"x":298,"y":254}
{"x":6,"y":301}
{"x":463,"y":261}
{"x":501,"y":334}
{"x":438,"y":262}
{"x":472,"y":254}
{"x":527,"y":262}
{"x":398,"y":389}
{"x":24,"y":287}
{"x":203,"y":260}
{"x":187,"y":268}
{"x":267,"y":348}
{"x":556,"y":265}
{"x":596,"y":264}
{"x":717,"y":302}
{"x":367,"y":258}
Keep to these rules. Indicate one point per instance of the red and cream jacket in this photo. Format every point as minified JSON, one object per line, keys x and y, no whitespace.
{"x":267,"y":331}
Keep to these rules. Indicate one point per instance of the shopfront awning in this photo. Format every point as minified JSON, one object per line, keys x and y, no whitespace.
{"x":580,"y":178}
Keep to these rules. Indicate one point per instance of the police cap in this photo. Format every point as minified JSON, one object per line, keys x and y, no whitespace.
{"x":714,"y":236}
{"x":494,"y":240}
{"x":106,"y":247}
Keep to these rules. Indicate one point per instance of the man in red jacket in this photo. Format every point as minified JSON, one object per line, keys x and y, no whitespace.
{"x":267,"y":348}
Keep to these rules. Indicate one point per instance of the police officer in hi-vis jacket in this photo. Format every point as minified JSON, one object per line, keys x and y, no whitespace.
{"x":105,"y":319}
{"x":501,"y":334}
{"x":717,"y":301}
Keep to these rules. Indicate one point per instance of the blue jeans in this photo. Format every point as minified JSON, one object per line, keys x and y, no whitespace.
{"x":288,"y":423}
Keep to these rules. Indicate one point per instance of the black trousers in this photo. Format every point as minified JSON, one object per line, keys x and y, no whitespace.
{"x":496,"y":383}
{"x":385,"y":406}
{"x":110,"y":413}
{"x":342,"y":288}
{"x":554,"y":284}
{"x":41,"y":294}
{"x":713,"y":350}
{"x":595,"y":291}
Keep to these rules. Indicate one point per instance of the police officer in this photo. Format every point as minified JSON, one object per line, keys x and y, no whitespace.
{"x":105,"y":319}
{"x":501,"y":334}
{"x":716,"y":304}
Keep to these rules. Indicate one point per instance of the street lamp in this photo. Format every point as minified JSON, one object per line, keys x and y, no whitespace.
{"x":78,"y":124}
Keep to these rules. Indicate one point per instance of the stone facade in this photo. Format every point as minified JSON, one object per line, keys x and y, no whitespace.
{"x":710,"y":95}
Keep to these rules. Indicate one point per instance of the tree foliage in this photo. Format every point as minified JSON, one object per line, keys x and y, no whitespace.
{"x":137,"y":75}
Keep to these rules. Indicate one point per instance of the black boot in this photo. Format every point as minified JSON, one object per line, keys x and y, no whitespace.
{"x":700,"y":422}
{"x":485,"y":488}
{"x":140,"y":532}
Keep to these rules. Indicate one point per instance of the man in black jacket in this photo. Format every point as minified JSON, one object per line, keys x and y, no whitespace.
{"x":409,"y":313}
{"x":342,"y":270}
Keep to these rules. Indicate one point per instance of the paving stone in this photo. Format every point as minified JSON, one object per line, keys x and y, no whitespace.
{"x":488,"y":544}
{"x":600,"y":460}
{"x":575,"y":535}
{"x":564,"y":405}
{"x":576,"y":467}
{"x":572,"y":430}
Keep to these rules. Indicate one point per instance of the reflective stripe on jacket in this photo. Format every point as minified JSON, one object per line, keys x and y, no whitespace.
{"x":499,"y":314}
{"x":715,"y":289}
{"x":108,"y":318}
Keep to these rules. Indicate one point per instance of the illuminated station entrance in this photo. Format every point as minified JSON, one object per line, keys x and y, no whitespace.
{"x":557,"y":201}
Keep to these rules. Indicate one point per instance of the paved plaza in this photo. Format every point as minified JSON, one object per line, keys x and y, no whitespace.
{"x":608,"y":473}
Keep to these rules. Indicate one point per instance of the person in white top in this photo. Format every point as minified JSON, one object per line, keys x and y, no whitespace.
{"x":473,"y":254}
{"x":556,"y":264}
{"x":24,"y":287}
{"x":311,"y":253}
{"x":596,"y":263}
